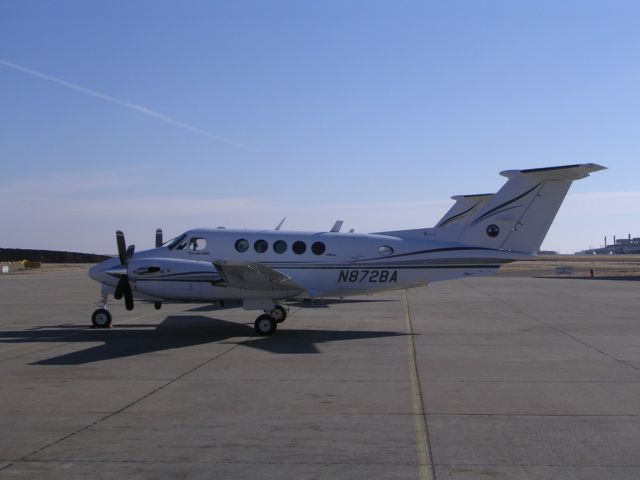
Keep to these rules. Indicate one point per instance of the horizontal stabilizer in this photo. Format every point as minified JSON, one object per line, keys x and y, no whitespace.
{"x":567,"y":172}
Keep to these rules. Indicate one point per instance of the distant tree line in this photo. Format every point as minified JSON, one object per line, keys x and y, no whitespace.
{"x":48,"y":256}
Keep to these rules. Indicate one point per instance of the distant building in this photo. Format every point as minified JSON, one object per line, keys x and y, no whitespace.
{"x":621,"y":246}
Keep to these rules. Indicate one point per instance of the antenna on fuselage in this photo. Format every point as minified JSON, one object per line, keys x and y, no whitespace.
{"x":280,"y":224}
{"x":336,"y":226}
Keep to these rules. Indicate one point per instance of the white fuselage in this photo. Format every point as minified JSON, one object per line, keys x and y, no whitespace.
{"x":332,"y":264}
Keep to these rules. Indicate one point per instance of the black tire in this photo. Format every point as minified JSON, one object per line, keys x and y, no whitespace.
{"x":279,"y":313}
{"x":265,"y":325}
{"x":101,"y":318}
{"x":157,"y":305}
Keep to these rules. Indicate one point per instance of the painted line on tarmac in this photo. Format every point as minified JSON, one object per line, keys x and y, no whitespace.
{"x":425,"y":460}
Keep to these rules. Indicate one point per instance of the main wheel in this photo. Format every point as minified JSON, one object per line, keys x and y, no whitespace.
{"x":279,"y":313}
{"x":157,"y":305}
{"x":265,"y":325}
{"x":101,"y":318}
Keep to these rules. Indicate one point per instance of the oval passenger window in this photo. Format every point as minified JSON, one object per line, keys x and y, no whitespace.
{"x":242,"y":245}
{"x":318,"y":248}
{"x":260,"y":246}
{"x":280,"y":246}
{"x":299,"y":247}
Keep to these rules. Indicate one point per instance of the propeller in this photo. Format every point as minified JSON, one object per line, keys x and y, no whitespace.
{"x":158,"y":237}
{"x":123,"y":288}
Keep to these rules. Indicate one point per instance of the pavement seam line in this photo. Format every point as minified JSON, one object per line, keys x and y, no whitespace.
{"x":129,"y":405}
{"x":553,"y":327}
{"x":425,"y":460}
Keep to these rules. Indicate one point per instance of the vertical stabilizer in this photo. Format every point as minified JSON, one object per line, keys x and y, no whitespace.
{"x":518,"y":217}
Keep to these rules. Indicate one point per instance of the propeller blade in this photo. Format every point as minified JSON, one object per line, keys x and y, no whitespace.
{"x":122,"y":247}
{"x":120,"y":287}
{"x":158,"y":237}
{"x":128,"y":296}
{"x":123,"y":289}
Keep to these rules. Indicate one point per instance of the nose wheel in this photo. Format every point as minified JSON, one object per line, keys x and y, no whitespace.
{"x":265,"y":325}
{"x":101,"y":318}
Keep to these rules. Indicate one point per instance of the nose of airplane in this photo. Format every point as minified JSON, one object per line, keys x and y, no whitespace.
{"x":99,"y":272}
{"x":94,"y":272}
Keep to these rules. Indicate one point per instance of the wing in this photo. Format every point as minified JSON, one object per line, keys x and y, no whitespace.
{"x":255,"y":276}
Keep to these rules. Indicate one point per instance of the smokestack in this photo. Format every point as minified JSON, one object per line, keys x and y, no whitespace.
{"x":605,"y":241}
{"x":629,"y":236}
{"x":614,"y":239}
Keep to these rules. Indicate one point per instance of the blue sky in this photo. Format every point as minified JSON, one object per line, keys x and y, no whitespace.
{"x":240,"y":113}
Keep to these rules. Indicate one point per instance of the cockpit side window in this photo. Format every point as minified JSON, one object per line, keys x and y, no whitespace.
{"x":197,"y":244}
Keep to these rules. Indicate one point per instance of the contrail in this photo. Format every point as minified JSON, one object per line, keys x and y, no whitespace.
{"x":126,"y":104}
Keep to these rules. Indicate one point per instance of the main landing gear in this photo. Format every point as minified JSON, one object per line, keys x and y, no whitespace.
{"x":267,"y":323}
{"x":279,"y":313}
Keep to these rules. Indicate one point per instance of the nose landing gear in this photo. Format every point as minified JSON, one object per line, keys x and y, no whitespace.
{"x":101,"y":318}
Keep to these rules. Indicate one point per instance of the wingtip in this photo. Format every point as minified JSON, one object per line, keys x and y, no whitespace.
{"x":594,"y":167}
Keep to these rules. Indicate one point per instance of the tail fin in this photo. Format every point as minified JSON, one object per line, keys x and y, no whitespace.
{"x":463,"y":209}
{"x":518,"y":217}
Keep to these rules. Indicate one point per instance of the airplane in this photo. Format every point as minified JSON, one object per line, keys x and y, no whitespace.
{"x":265,"y":270}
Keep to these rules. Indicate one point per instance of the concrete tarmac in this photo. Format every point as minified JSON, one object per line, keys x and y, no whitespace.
{"x":500,"y":378}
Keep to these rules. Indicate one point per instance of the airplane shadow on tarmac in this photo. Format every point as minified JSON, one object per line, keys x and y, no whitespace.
{"x":176,"y":332}
{"x":628,"y":278}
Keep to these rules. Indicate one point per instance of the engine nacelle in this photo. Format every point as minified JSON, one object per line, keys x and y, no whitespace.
{"x":173,"y":278}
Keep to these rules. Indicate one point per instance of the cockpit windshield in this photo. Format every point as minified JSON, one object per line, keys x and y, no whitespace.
{"x":171,"y":244}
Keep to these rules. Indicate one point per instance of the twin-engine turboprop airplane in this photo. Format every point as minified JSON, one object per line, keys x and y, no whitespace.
{"x":265,"y":269}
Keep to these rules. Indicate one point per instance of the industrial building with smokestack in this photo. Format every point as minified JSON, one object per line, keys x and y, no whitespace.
{"x":620,"y":246}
